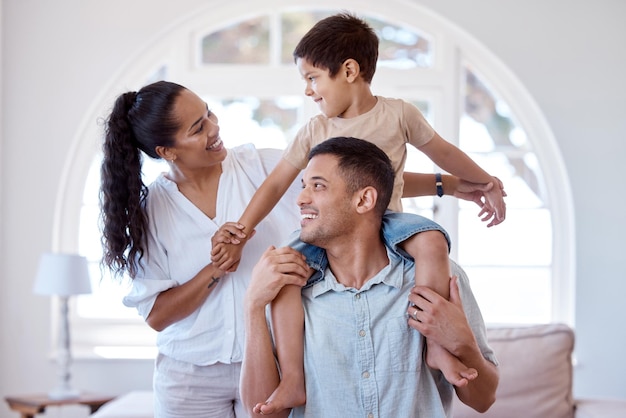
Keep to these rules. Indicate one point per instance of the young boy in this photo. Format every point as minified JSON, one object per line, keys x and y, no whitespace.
{"x":337,"y":59}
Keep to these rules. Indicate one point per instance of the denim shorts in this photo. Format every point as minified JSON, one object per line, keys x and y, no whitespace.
{"x":397,"y":227}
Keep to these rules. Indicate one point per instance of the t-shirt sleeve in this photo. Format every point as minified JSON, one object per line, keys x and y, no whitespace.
{"x":419,"y":131}
{"x":297,"y":152}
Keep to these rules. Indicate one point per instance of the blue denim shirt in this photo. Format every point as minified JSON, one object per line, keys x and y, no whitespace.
{"x":361,"y":357}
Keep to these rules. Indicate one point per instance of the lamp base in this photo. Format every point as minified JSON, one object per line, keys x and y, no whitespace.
{"x":63,"y":393}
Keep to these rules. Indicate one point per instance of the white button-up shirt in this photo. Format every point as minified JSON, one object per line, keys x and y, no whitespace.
{"x":179,"y":245}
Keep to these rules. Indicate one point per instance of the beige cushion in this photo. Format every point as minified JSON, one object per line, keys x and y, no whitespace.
{"x":535,"y":373}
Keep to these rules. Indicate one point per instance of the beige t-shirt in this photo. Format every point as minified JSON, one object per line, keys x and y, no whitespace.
{"x":390,"y":124}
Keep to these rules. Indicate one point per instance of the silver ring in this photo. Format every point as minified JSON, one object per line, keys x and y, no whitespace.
{"x":415,"y":314}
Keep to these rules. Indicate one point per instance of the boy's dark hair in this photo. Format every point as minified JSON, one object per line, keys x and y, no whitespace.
{"x":361,"y":164}
{"x":333,"y":40}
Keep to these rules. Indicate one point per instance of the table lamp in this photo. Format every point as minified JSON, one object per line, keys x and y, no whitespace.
{"x":63,"y":275}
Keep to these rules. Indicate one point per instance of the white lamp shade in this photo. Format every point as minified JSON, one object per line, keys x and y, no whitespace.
{"x":63,"y":275}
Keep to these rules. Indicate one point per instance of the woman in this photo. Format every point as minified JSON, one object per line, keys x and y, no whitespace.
{"x":161,"y":236}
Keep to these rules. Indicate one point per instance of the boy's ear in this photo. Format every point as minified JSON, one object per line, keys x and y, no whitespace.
{"x":351,"y":69}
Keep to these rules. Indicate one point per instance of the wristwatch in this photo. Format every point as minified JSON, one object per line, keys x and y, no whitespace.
{"x":439,"y":184}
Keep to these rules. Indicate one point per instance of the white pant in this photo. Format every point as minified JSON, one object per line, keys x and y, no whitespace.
{"x":184,"y":390}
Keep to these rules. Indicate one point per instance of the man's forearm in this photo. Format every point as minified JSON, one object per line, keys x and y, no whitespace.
{"x":480,"y":393}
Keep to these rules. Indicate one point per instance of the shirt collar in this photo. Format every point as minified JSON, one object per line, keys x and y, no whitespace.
{"x":388,"y":276}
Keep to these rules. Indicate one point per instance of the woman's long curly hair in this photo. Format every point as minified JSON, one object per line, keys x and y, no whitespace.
{"x":139,"y":122}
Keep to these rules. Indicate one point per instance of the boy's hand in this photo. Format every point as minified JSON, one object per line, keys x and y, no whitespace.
{"x":477,"y":193}
{"x":226,"y":251}
{"x":495,"y":199}
{"x":227,"y":257}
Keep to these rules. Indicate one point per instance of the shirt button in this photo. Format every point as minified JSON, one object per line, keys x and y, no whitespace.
{"x":362,"y":333}
{"x":357,"y":296}
{"x":366,"y":375}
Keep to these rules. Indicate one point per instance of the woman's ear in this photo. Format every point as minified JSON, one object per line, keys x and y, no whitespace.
{"x":165,"y":152}
{"x":351,"y":69}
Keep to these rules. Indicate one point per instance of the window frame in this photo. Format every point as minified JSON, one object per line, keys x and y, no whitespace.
{"x":452,"y":47}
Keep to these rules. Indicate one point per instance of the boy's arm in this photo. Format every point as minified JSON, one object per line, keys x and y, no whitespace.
{"x":268,"y":195}
{"x":420,"y":184}
{"x":455,"y":161}
{"x":277,"y":267}
{"x":227,"y":254}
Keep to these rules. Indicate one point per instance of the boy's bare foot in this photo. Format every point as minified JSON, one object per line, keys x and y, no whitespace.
{"x":285,"y":396}
{"x":455,"y":372}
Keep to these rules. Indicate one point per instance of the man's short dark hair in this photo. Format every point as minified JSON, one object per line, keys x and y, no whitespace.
{"x":361,"y":164}
{"x":333,"y":40}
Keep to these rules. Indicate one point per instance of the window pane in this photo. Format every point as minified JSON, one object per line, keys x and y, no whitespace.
{"x":246,"y":42}
{"x":512,"y":295}
{"x":524,"y":239}
{"x":399,"y":47}
{"x":510,"y":264}
{"x":487,"y":127}
{"x":293,"y":27}
{"x":267,"y":123}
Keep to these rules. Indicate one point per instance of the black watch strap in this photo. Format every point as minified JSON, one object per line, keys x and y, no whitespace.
{"x":439,"y":184}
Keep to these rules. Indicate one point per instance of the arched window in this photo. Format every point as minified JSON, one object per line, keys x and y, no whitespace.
{"x":245,"y":72}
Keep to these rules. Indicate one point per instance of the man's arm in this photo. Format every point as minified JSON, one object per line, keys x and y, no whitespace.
{"x":446,"y":324}
{"x":259,"y":374}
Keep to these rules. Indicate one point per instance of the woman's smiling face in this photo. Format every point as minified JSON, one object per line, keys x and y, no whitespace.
{"x":198,"y":141}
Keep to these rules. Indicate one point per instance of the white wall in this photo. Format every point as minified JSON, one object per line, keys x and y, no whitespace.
{"x":57,"y":56}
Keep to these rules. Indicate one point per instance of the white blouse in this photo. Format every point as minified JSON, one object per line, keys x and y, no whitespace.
{"x":179,"y":245}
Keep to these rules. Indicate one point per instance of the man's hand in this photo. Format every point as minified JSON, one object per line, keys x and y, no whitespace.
{"x":276,"y":268}
{"x":441,"y":320}
{"x":445,"y":323}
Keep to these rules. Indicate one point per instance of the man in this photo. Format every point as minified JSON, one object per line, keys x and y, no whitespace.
{"x":362,"y":359}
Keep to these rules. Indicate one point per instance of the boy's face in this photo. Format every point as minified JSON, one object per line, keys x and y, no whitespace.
{"x":332,"y":95}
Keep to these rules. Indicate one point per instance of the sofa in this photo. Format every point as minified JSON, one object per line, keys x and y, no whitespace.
{"x":535,"y":381}
{"x":536,"y":373}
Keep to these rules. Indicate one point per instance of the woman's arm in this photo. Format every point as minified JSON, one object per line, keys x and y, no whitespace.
{"x":179,"y":302}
